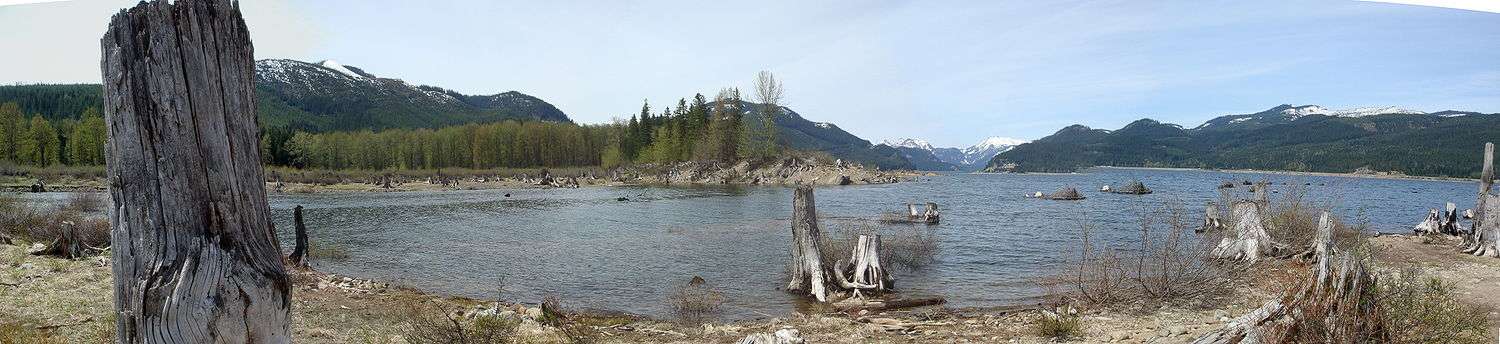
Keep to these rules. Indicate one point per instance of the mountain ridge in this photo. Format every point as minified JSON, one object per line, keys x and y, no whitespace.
{"x":1285,"y":137}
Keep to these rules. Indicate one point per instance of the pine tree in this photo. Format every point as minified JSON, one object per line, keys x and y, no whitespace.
{"x":86,"y":143}
{"x":10,"y":131}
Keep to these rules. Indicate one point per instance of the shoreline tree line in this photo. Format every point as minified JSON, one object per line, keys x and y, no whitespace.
{"x":696,"y":129}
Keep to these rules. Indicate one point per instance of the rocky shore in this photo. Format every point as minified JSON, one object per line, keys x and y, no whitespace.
{"x":786,"y":171}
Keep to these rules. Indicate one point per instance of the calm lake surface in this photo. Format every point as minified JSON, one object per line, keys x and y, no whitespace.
{"x":599,"y":253}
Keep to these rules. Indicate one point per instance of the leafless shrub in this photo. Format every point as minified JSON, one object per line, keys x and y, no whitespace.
{"x":696,"y":301}
{"x":428,"y":323}
{"x":901,"y":246}
{"x":1097,"y":276}
{"x":83,"y":202}
{"x":1170,"y":262}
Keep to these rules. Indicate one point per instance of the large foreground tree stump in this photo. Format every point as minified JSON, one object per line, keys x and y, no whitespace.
{"x":195,"y":257}
{"x":807,"y":257}
{"x":1483,"y":236}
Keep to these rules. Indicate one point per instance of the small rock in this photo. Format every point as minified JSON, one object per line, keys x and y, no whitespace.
{"x":1178,"y":330}
{"x":1119,"y":336}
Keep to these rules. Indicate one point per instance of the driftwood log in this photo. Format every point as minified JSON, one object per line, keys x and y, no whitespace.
{"x":195,"y":257}
{"x":807,"y":256}
{"x":1250,"y":241}
{"x":298,"y":258}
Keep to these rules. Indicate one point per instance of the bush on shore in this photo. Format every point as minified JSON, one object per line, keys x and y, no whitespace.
{"x":20,"y":222}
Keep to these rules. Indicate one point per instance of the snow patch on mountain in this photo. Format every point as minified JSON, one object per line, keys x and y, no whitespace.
{"x":1299,"y":111}
{"x":335,"y":66}
{"x":982,"y":152}
{"x":909,"y":143}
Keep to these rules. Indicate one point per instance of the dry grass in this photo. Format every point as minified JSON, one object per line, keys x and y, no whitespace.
{"x":434,"y":323}
{"x":51,"y":300}
{"x":696,"y":302}
{"x":1424,"y":309}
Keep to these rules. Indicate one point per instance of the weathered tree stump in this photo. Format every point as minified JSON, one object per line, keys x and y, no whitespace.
{"x":1211,"y":219}
{"x":1250,"y":241}
{"x":1483,"y":236}
{"x":298,"y":257}
{"x":1448,"y":223}
{"x":807,"y":257}
{"x":67,"y":244}
{"x":865,"y":275}
{"x":195,"y":257}
{"x":1339,"y":288}
{"x":1429,"y":224}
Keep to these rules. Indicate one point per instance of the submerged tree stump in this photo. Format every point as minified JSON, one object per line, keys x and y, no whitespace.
{"x":807,"y":255}
{"x":298,"y":257}
{"x":865,"y":275}
{"x":195,"y":257}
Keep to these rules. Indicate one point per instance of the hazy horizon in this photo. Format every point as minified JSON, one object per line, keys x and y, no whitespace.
{"x":949,"y":74}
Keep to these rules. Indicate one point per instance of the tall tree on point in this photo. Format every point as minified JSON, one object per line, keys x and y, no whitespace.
{"x":769,"y":93}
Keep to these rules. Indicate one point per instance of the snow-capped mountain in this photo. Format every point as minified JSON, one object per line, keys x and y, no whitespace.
{"x":924,"y":156}
{"x":1288,"y":113}
{"x":329,"y":95}
{"x":909,"y":143}
{"x":981,"y":153}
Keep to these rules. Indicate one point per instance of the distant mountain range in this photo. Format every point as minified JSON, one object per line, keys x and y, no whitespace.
{"x":1286,"y":137}
{"x":924,"y":156}
{"x":329,"y":96}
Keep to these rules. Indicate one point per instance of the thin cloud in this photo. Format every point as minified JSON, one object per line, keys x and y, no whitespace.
{"x":24,"y":2}
{"x":1471,"y":5}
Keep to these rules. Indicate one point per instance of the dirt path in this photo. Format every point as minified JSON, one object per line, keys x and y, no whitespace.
{"x":1477,"y":279}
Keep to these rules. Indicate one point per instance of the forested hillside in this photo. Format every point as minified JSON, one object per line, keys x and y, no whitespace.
{"x":1284,"y":138}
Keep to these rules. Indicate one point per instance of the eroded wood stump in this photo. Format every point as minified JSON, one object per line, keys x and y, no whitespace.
{"x":195,"y":257}
{"x":807,"y":256}
{"x":1250,"y":241}
{"x":1482,"y":237}
{"x":298,"y":258}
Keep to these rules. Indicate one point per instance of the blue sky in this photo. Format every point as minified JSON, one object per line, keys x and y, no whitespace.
{"x":951,"y":72}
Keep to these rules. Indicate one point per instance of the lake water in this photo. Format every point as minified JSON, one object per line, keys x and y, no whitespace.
{"x":599,"y":253}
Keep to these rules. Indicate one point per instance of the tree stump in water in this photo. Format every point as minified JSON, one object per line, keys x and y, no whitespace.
{"x":865,"y":275}
{"x":299,"y":252}
{"x":1250,"y":241}
{"x":807,"y":256}
{"x":195,"y":257}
